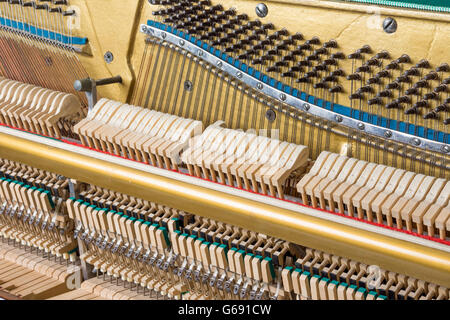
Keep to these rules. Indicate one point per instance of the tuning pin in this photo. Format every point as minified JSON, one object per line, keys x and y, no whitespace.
{"x":311,"y":74}
{"x":337,"y":73}
{"x":385,"y":94}
{"x":281,"y":47}
{"x":383,"y":74}
{"x":404,"y":79}
{"x":443,"y":68}
{"x":373,"y":62}
{"x":295,"y":69}
{"x":338,"y":55}
{"x":392,"y":66}
{"x":320,"y":51}
{"x":313,"y":41}
{"x":302,"y":80}
{"x":432,"y":76}
{"x":354,"y":76}
{"x":55,"y":10}
{"x":365,"y":89}
{"x":356,"y":95}
{"x":330,"y":62}
{"x":431,"y":115}
{"x":424,"y":64}
{"x":412,"y":72}
{"x":244,"y":56}
{"x":355,"y":55}
{"x":393,"y":85}
{"x":26,"y":4}
{"x":364,"y":49}
{"x":281,"y":64}
{"x":403,"y":59}
{"x":382,"y":55}
{"x":273,"y":69}
{"x":283,"y":32}
{"x":288,"y":74}
{"x":412,"y":91}
{"x":431,"y":96}
{"x":330,"y":44}
{"x":447,"y":121}
{"x":329,"y":79}
{"x":442,"y":108}
{"x":288,"y":57}
{"x":312,"y":57}
{"x":421,"y":104}
{"x":393,"y":105}
{"x":273,"y":52}
{"x":320,"y":67}
{"x":374,"y":101}
{"x":296,"y":37}
{"x":267,"y":26}
{"x":421,"y":84}
{"x":374,"y":80}
{"x":260,"y":31}
{"x":297,"y":52}
{"x":336,"y":89}
{"x":412,"y":110}
{"x":363,"y":69}
{"x":304,"y":63}
{"x":403,"y":99}
{"x":320,"y":85}
{"x":440,"y":88}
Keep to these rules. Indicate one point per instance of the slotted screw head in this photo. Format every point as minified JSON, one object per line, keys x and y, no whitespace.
{"x":261,"y":10}
{"x":389,"y":25}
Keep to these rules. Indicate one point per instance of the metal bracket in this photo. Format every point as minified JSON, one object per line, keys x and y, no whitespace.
{"x":89,"y":87}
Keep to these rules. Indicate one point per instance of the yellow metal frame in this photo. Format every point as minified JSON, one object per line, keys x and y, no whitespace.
{"x":206,"y":199}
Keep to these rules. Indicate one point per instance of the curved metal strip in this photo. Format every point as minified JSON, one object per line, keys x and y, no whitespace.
{"x":199,"y":49}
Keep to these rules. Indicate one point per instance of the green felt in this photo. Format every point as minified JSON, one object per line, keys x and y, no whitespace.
{"x":429,"y":5}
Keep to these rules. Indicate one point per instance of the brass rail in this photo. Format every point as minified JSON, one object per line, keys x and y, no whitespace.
{"x":391,"y":250}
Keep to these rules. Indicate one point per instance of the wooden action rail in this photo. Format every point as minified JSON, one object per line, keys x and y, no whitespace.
{"x":36,"y":109}
{"x":390,"y":196}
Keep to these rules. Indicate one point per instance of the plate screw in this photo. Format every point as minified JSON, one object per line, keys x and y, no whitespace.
{"x":446,"y":149}
{"x":261,"y":10}
{"x":181,"y":42}
{"x":270,"y":115}
{"x":144,"y":28}
{"x":239,"y":74}
{"x":219,"y":64}
{"x":259,"y":86}
{"x":188,"y":85}
{"x":361,"y":126}
{"x":108,"y":56}
{"x":388,"y":134}
{"x":282,"y":97}
{"x":306,"y":106}
{"x":389,"y":25}
{"x":416,"y":141}
{"x":338,"y":118}
{"x":163,"y":35}
{"x":200,"y":53}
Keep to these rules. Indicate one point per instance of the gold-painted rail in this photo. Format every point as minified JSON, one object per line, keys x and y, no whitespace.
{"x":388,"y":249}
